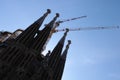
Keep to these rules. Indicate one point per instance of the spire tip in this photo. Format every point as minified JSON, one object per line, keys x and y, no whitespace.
{"x":67,"y":30}
{"x":57,"y":14}
{"x":48,"y":11}
{"x":69,"y":41}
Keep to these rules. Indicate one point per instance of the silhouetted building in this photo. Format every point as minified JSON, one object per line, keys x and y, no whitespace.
{"x":21,"y":57}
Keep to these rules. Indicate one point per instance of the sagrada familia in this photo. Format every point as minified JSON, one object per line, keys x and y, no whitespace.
{"x":21,"y":58}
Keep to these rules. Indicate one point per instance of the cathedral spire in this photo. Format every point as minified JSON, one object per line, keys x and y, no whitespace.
{"x":64,"y":55}
{"x":42,"y":37}
{"x":60,"y":67}
{"x":56,"y":53}
{"x":40,"y":20}
{"x":26,"y":36}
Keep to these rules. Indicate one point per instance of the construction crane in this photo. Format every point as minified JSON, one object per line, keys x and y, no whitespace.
{"x":54,"y":30}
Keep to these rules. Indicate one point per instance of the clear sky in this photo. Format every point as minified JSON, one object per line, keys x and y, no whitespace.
{"x":93,"y":55}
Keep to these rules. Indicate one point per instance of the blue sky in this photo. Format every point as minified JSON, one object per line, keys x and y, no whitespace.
{"x":93,"y":55}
